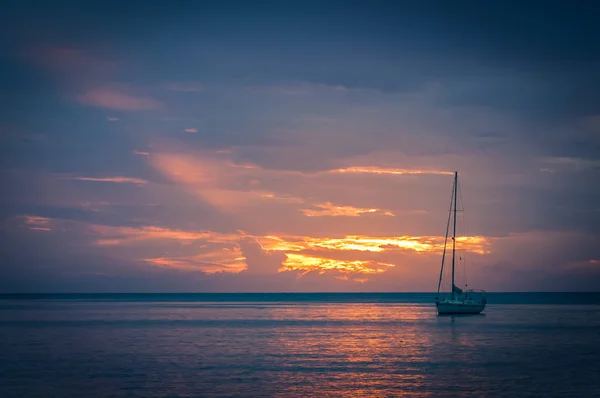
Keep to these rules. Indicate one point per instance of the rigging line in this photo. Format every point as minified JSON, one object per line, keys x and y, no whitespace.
{"x":446,"y":238}
{"x":454,"y":230}
{"x":465,"y":232}
{"x":465,"y":271}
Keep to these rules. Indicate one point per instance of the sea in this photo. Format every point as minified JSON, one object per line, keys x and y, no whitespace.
{"x":297,"y":345}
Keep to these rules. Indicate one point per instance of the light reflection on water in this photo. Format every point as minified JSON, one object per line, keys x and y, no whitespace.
{"x":74,"y":349}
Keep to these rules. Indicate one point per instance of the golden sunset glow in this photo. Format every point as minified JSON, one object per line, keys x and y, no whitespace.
{"x":222,"y":252}
{"x":296,"y":248}
{"x":301,"y":262}
{"x":475,"y":244}
{"x":255,"y":138}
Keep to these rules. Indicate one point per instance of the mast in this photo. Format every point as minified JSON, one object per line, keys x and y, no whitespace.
{"x":454,"y":230}
{"x":446,"y":240}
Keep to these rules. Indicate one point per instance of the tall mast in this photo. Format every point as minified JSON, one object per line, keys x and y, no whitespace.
{"x":454,"y":230}
{"x":446,"y":240}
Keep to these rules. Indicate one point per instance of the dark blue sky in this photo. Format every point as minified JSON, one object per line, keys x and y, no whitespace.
{"x":162,"y":146}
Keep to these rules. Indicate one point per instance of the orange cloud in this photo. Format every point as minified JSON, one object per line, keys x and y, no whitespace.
{"x":300,"y":250}
{"x":378,"y":170}
{"x":136,"y":152}
{"x":353,"y":254}
{"x":37,"y":223}
{"x":129,"y":180}
{"x":191,"y":130}
{"x":225,"y":257}
{"x":233,"y":187}
{"x":211,"y":180}
{"x":307,"y":263}
{"x":110,"y":99}
{"x":272,"y":196}
{"x":328,"y":209}
{"x":475,"y":244}
{"x":127,"y":235}
{"x":223,"y":260}
{"x":311,"y":254}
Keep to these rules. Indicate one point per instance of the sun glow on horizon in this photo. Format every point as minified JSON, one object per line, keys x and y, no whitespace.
{"x":222,"y":252}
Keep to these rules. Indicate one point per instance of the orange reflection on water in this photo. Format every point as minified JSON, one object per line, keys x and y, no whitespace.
{"x":356,"y":350}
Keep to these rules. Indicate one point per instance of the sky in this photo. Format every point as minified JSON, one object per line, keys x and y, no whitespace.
{"x":245,"y":146}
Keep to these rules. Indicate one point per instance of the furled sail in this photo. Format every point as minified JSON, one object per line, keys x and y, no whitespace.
{"x":456,"y":289}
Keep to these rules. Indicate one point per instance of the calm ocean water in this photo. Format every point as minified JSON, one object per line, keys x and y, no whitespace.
{"x":297,"y":345}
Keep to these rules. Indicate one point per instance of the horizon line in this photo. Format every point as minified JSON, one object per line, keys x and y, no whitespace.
{"x":324,"y":292}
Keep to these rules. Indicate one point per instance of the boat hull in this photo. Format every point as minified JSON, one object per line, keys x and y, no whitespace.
{"x":457,"y":307}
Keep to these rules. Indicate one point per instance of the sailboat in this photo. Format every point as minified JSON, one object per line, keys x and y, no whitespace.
{"x":459,"y":301}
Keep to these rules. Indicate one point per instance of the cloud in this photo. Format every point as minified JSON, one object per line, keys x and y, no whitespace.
{"x":379,"y":170}
{"x":222,"y":260}
{"x":307,"y":263}
{"x":93,"y":206}
{"x":260,"y":261}
{"x":234,"y":187}
{"x":37,"y":223}
{"x":379,"y":262}
{"x":117,"y":179}
{"x":329,"y":210}
{"x":111,"y":99}
{"x":571,"y":163}
{"x":210,"y":251}
{"x":111,"y":236}
{"x":418,"y":244}
{"x":112,"y":119}
{"x":191,"y":130}
{"x":312,"y":133}
{"x":211,"y":179}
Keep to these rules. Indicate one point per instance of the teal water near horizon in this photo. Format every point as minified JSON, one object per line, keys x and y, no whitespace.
{"x":297,"y":345}
{"x":565,"y":298}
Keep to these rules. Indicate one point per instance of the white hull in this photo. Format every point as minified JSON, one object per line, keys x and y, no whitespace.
{"x":460,"y":307}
